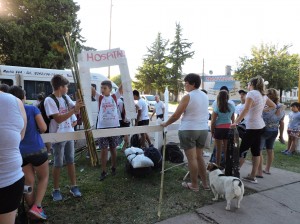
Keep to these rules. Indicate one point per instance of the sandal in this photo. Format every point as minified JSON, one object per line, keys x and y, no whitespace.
{"x":188,"y":186}
{"x":266,"y":172}
{"x":206,"y":188}
{"x":259,"y":176}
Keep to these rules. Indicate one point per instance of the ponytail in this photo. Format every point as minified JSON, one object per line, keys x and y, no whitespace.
{"x":258,"y":84}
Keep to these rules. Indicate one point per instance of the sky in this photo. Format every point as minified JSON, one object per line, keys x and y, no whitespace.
{"x":221,"y":31}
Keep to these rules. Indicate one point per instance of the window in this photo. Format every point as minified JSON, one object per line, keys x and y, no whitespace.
{"x":33,"y":88}
{"x":150,"y":98}
{"x":7,"y":81}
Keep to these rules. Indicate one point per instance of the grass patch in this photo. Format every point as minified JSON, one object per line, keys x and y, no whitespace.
{"x":123,"y":198}
{"x":281,"y":161}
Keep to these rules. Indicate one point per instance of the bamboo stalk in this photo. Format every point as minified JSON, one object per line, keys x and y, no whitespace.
{"x":70,"y":46}
{"x":162,"y":177}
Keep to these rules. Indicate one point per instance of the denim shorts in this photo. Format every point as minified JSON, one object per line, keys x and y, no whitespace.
{"x":192,"y":138}
{"x":61,"y":151}
{"x":267,"y":139}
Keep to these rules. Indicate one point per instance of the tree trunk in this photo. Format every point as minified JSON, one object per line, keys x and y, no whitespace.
{"x":280,"y":95}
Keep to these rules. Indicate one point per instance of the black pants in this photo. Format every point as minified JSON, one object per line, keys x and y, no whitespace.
{"x":251,"y":140}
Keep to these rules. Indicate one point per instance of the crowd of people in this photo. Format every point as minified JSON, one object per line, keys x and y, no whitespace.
{"x":24,"y":155}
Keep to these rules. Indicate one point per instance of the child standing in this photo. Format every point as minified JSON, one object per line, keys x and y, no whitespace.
{"x":293,"y":128}
{"x":223,"y":114}
{"x":61,"y":109}
{"x":107,"y":118}
{"x":34,"y":155}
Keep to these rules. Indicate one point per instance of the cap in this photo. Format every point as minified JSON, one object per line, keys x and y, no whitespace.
{"x":224,"y":88}
{"x":242,"y":91}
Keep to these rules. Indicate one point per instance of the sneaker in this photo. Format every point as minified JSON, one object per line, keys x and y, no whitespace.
{"x":56,"y":195}
{"x":75,"y":191}
{"x":113,"y":171}
{"x":288,"y":153}
{"x":103,"y":175}
{"x":250,"y":179}
{"x":38,"y":212}
{"x":206,"y":154}
{"x":284,"y":151}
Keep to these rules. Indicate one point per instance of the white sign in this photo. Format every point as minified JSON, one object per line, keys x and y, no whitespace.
{"x":98,"y":59}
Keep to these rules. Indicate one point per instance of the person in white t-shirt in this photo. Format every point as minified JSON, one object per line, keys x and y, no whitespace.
{"x":107,"y":118}
{"x":256,"y":100}
{"x":61,"y":123}
{"x":142,"y":117}
{"x":159,"y":109}
{"x":240,"y":107}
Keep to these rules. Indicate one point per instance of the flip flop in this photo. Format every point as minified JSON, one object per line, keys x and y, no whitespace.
{"x":258,"y":176}
{"x":188,"y":186}
{"x":206,"y":188}
{"x":266,"y":172}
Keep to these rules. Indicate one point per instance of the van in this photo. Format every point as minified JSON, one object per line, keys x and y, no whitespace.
{"x":37,"y":80}
{"x":150,"y":100}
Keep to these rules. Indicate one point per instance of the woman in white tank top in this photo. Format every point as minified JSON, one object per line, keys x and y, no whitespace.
{"x":193,"y":129}
{"x":12,"y":128}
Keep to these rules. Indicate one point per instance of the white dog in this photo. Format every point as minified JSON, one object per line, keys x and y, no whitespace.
{"x":228,"y":186}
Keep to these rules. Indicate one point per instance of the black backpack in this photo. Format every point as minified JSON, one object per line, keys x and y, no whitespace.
{"x":135,"y":141}
{"x":173,"y":153}
{"x":43,"y":110}
{"x":153,"y":154}
{"x":233,"y":154}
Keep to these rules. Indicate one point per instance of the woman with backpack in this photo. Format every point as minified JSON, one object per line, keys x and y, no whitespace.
{"x":193,"y":129}
{"x":34,"y":154}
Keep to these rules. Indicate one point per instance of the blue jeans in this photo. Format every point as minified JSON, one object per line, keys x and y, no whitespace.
{"x":61,"y":151}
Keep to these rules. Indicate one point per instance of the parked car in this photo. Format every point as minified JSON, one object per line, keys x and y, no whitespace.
{"x":150,"y":100}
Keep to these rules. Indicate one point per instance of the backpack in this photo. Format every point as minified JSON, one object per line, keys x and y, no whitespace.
{"x":137,"y":172}
{"x":101,"y":98}
{"x":173,"y":153}
{"x":241,"y":128}
{"x":43,"y":110}
{"x":232,"y":167}
{"x":135,"y":141}
{"x":138,"y":165}
{"x":213,"y":158}
{"x":153,"y":154}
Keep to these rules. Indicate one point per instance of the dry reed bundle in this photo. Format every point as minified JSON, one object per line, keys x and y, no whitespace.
{"x":71,"y":46}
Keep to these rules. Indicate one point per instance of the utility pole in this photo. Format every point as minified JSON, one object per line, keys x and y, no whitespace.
{"x":109,"y":45}
{"x":299,"y":85}
{"x":203,"y":75}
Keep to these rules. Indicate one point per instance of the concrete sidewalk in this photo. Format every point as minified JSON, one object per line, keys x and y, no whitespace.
{"x":277,"y":201}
